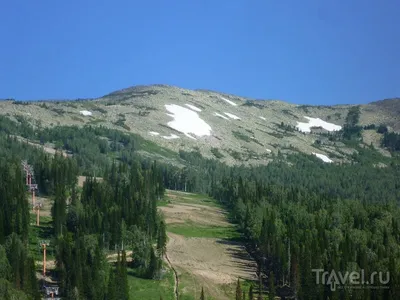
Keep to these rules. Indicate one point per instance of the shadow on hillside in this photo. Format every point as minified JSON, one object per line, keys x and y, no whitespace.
{"x":238,"y":251}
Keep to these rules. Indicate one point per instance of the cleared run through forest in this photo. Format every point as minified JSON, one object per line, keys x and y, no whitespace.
{"x":204,"y":248}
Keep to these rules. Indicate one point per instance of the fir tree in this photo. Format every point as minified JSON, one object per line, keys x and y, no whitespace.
{"x":123,"y":283}
{"x":112,"y":290}
{"x":251,"y":293}
{"x":239,"y":292}
{"x":162,"y":239}
{"x":271,"y":286}
{"x":153,"y":265}
{"x":260,"y":296}
{"x":202,"y":297}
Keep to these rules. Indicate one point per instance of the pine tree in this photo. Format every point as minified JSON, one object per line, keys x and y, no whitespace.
{"x":244,"y":295}
{"x":112,"y":291}
{"x":260,"y":296}
{"x":124,"y":277}
{"x":271,"y":286}
{"x":162,"y":239}
{"x":251,"y":293}
{"x":239,"y":293}
{"x":153,"y":265}
{"x":122,"y":289}
{"x":202,"y":297}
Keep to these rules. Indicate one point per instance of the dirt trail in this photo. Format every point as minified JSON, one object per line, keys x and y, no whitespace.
{"x":176,"y":279}
{"x":212,"y":263}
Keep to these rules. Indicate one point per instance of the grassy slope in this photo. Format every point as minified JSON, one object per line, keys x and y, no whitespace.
{"x":188,"y":289}
{"x":189,"y":229}
{"x":144,"y":289}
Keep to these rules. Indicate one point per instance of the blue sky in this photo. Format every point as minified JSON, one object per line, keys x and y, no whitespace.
{"x":309,"y":52}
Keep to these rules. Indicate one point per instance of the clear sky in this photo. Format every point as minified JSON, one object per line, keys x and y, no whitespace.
{"x":301,"y":51}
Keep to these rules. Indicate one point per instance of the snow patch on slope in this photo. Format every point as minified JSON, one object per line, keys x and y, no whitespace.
{"x":262,"y":118}
{"x":221,"y":116}
{"x":187,"y":121}
{"x":316,"y":122}
{"x":170,"y":137}
{"x":229,"y":101}
{"x":153,"y":133}
{"x":323,"y":157}
{"x":86,"y":112}
{"x":232,"y":116}
{"x":192,"y":107}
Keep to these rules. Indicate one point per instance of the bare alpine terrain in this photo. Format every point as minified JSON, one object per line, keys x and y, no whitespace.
{"x":231,"y":128}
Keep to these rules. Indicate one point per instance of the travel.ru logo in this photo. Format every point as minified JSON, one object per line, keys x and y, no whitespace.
{"x":351,"y":279}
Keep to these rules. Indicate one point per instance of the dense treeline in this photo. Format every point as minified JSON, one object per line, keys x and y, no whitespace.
{"x":17,"y":268}
{"x":116,"y":214}
{"x":391,"y":141}
{"x":299,"y":214}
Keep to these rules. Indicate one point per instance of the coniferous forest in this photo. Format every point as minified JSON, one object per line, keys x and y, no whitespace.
{"x":295,"y":214}
{"x":116,"y":214}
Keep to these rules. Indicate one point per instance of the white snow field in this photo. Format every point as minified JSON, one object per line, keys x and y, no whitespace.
{"x":171,"y":137}
{"x":221,"y":116}
{"x":316,"y":122}
{"x":187,"y":121}
{"x":268,"y":150}
{"x":86,"y":112}
{"x":232,"y":116}
{"x":153,"y":133}
{"x":262,"y":118}
{"x":229,"y":101}
{"x":192,"y":107}
{"x":323,"y":157}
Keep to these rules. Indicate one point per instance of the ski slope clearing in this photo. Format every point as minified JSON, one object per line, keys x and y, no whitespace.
{"x":192,"y":107}
{"x":323,"y":157}
{"x":316,"y":122}
{"x":86,"y":112}
{"x":221,"y":116}
{"x":187,"y":121}
{"x":229,"y":101}
{"x":203,"y":247}
{"x":232,"y":116}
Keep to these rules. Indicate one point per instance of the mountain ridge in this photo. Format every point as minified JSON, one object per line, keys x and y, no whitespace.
{"x":231,"y":128}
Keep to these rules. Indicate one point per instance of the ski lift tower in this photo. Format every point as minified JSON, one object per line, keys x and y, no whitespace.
{"x":27,"y":170}
{"x":32,"y":187}
{"x":43,"y":244}
{"x":37,"y":208}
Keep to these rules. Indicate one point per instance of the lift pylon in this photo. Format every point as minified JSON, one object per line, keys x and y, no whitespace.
{"x":43,"y":245}
{"x":37,"y":208}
